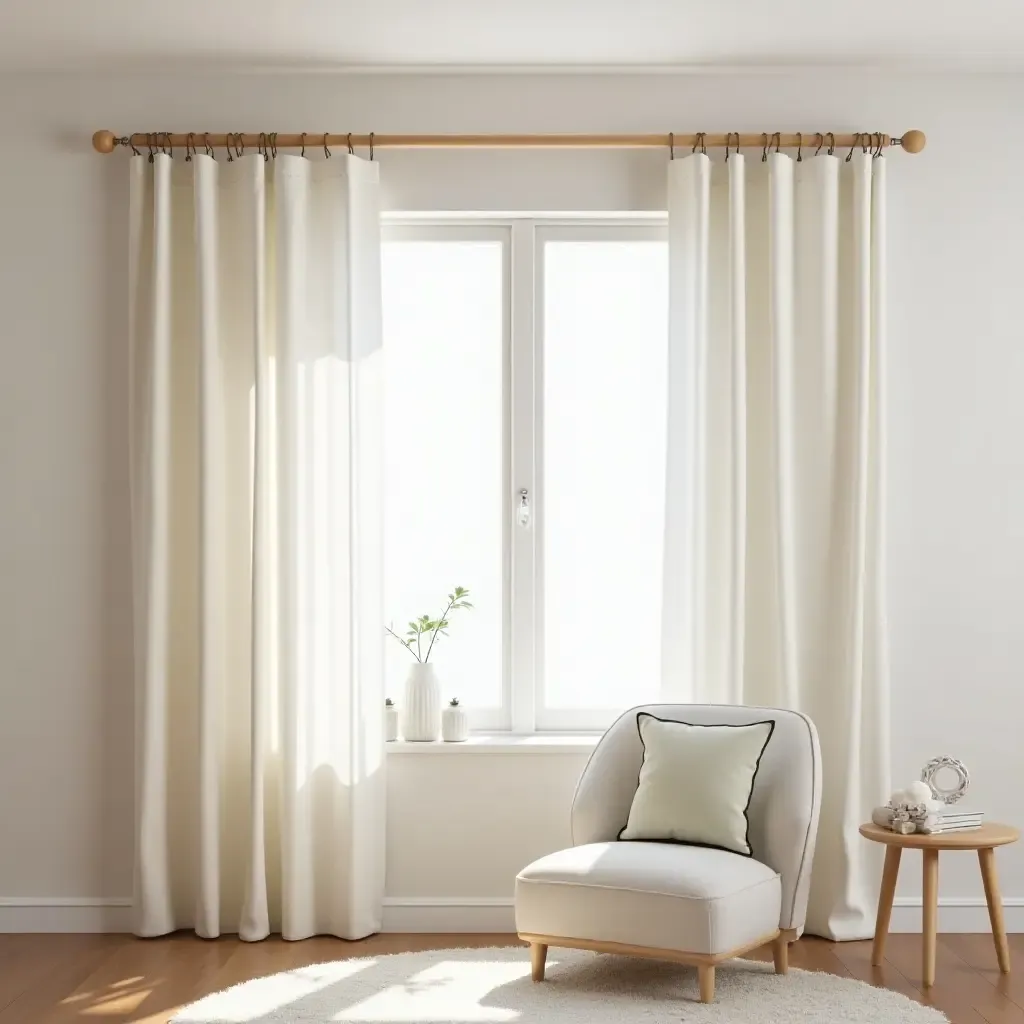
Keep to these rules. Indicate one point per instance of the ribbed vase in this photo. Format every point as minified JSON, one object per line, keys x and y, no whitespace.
{"x":421,"y":709}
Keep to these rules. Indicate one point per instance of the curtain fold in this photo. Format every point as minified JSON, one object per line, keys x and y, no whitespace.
{"x":256,"y":500}
{"x":774,"y":548}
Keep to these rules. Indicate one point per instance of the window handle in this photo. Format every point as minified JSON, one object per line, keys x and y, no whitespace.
{"x":523,"y":511}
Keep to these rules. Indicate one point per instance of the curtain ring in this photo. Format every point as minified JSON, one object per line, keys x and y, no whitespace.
{"x":371,"y":145}
{"x":728,"y":139}
{"x":764,"y":148}
{"x":799,"y":147}
{"x":273,"y":144}
{"x":821,"y":142}
{"x":327,"y":152}
{"x":831,"y":143}
{"x":227,"y":146}
{"x":208,"y":149}
{"x":190,"y":146}
{"x":131,"y":142}
{"x":671,"y":146}
{"x":239,"y":144}
{"x":261,"y":146}
{"x":700,"y":142}
{"x":149,"y":142}
{"x":777,"y":136}
{"x":351,"y":148}
{"x":881,"y":144}
{"x":849,"y":156}
{"x":303,"y":153}
{"x":865,"y":139}
{"x":163,"y":139}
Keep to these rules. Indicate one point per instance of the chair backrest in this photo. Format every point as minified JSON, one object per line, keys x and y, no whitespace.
{"x":783,"y":810}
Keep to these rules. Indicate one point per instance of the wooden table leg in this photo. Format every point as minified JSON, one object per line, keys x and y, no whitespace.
{"x":987,"y":859}
{"x":885,"y":898}
{"x":930,"y":914}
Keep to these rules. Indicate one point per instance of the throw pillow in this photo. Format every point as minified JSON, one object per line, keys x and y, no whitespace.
{"x":696,"y":782}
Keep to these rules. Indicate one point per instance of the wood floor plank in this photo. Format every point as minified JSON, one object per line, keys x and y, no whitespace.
{"x":58,"y":979}
{"x":978,"y":952}
{"x":958,"y":987}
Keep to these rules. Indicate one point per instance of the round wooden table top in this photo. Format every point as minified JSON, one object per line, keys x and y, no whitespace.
{"x":990,"y":834}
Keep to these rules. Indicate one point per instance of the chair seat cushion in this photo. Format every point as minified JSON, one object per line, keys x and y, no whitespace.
{"x":657,"y":895}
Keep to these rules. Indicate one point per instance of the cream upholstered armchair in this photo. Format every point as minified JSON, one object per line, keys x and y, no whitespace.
{"x":690,"y":904}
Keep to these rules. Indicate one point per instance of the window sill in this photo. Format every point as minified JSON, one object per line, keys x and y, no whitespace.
{"x":502,"y":743}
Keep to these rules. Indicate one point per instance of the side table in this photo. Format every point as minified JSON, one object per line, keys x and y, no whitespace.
{"x":984,"y":840}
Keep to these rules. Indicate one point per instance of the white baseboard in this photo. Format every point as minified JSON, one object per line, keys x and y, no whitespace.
{"x":440,"y":914}
{"x":956,"y":914}
{"x":448,"y":914}
{"x":65,"y":914}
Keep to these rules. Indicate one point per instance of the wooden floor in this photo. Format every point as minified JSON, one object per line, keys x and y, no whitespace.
{"x":45,"y":979}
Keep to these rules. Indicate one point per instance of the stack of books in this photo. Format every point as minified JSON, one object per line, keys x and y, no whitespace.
{"x":952,"y":818}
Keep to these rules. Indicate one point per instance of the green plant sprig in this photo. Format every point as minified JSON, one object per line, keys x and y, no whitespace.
{"x":425,"y":626}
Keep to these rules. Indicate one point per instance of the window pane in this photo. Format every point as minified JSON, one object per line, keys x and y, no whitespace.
{"x":443,"y":341}
{"x":605,"y":361}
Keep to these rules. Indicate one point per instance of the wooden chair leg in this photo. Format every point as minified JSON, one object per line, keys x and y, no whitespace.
{"x":538,"y":954}
{"x":706,"y":979}
{"x":780,"y":954}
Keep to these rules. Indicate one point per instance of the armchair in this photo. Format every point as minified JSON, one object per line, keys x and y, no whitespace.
{"x":690,"y":904}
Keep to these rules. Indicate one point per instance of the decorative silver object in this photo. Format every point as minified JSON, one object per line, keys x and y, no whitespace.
{"x":948,"y":795}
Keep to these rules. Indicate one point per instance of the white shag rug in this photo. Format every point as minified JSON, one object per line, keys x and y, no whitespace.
{"x":493,"y":986}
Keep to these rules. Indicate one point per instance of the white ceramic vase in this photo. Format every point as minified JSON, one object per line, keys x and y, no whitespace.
{"x":454,"y":724}
{"x":421,"y":709}
{"x":390,"y":723}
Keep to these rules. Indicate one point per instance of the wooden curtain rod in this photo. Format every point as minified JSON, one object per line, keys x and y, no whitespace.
{"x":910,"y":142}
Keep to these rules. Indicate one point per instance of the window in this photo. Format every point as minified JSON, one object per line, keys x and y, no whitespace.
{"x":525,"y":372}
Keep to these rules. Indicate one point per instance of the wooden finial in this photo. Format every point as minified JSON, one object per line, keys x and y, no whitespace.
{"x":103,"y":141}
{"x":913,"y":141}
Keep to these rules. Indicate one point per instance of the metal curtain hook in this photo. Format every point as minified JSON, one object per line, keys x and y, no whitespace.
{"x":849,"y":156}
{"x":831,"y":144}
{"x":131,"y":142}
{"x":351,"y":148}
{"x":149,"y":142}
{"x":190,"y":147}
{"x":327,"y":152}
{"x":881,"y":144}
{"x":799,"y":147}
{"x":864,"y":140}
{"x":728,"y":139}
{"x":371,"y":145}
{"x":303,"y":153}
{"x":261,"y":146}
{"x":210,"y":151}
{"x":671,"y":146}
{"x":821,"y":142}
{"x":777,"y":136}
{"x":273,"y":144}
{"x":764,"y":148}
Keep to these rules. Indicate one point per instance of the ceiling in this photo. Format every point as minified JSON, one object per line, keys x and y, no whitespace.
{"x":489,"y":34}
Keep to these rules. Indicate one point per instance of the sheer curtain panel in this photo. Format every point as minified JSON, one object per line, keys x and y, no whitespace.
{"x":256,"y":510}
{"x":775,"y":551}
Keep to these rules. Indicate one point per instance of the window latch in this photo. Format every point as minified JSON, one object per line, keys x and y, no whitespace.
{"x":523,"y":511}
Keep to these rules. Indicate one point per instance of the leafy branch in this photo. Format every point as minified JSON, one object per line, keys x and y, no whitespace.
{"x":430,"y":628}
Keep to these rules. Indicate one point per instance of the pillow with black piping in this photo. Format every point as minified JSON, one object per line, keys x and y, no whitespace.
{"x":696,"y":782}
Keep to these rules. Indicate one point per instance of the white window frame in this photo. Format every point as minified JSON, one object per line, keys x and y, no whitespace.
{"x":523,"y":239}
{"x":397,"y":229}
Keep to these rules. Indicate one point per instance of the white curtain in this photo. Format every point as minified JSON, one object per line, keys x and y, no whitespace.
{"x":774,"y":555}
{"x":256,"y":510}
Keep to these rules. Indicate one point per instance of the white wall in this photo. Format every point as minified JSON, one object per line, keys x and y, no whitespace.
{"x":460,"y":825}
